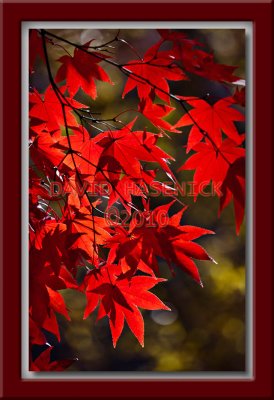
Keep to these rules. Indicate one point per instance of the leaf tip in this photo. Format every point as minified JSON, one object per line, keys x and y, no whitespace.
{"x":85,"y":315}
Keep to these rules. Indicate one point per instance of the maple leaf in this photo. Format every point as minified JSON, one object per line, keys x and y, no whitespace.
{"x":119,"y":299}
{"x":214,"y":120}
{"x":57,"y":246}
{"x":44,"y":363}
{"x":44,"y":283}
{"x":86,"y":151}
{"x":155,"y":113}
{"x":124,"y":149}
{"x":239,"y":96}
{"x":40,"y":307}
{"x":233,"y":188}
{"x":48,"y":275}
{"x":35,"y":334}
{"x":76,"y":192}
{"x":50,"y":235}
{"x":151,"y":74}
{"x":170,"y":241}
{"x":196,"y":60}
{"x":48,"y":109}
{"x":38,"y":191}
{"x":81,"y":70}
{"x":201,"y":63}
{"x":45,"y":300}
{"x":124,"y":189}
{"x":90,"y":232}
{"x":57,"y":303}
{"x":43,"y":152}
{"x":212,"y":164}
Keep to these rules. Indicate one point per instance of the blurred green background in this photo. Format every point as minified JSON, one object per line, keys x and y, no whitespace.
{"x":205,"y":331}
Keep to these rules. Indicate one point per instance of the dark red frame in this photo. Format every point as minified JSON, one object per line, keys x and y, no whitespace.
{"x":262,"y":16}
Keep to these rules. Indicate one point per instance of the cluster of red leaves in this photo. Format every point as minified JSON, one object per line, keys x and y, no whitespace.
{"x":69,"y":231}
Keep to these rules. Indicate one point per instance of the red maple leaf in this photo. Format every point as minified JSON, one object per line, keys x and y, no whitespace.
{"x":44,"y":298}
{"x":89,"y":230}
{"x":239,"y":96}
{"x":152,"y":73}
{"x":196,"y":60}
{"x":233,"y":188}
{"x":49,"y":239}
{"x":35,"y":334}
{"x":169,"y":240}
{"x":86,"y":152}
{"x":48,"y":109}
{"x":211,"y":164}
{"x":213,"y":120}
{"x":124,"y":149}
{"x":81,"y":70}
{"x":119,"y":299}
{"x":155,"y":113}
{"x":44,"y":363}
{"x":43,"y":150}
{"x":48,"y":275}
{"x":58,"y":246}
{"x":125,"y":189}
